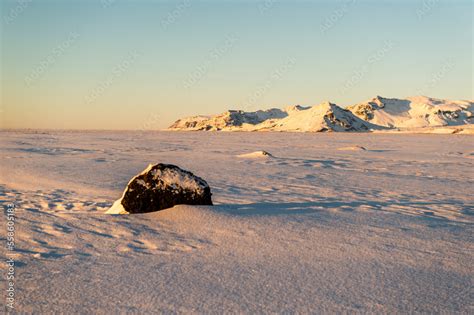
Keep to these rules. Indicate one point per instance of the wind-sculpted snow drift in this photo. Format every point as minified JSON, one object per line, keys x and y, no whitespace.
{"x":376,"y":114}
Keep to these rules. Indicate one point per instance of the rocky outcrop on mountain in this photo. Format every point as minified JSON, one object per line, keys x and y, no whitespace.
{"x":227,"y":120}
{"x":162,"y":186}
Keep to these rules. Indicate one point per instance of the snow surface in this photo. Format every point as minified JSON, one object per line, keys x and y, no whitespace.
{"x":414,"y":114}
{"x":388,"y":229}
{"x":176,"y":178}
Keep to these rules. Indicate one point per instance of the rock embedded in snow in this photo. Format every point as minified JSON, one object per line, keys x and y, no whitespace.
{"x":159,"y":187}
{"x":256,"y":155}
{"x":353,"y":148}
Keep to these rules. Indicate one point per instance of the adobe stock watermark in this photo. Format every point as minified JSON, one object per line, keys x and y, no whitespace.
{"x":266,"y":5}
{"x":107,"y":3}
{"x":175,"y":14}
{"x":10,"y":261}
{"x":274,"y":77}
{"x":359,"y":73}
{"x":216,"y":54}
{"x":426,"y":8}
{"x":118,"y":71}
{"x":437,"y":76}
{"x":21,"y":6}
{"x":51,"y":59}
{"x":150,"y":123}
{"x":338,"y":14}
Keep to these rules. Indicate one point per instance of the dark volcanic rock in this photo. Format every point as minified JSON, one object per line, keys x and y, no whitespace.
{"x":162,"y":186}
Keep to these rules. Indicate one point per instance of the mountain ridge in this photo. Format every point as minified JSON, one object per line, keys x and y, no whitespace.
{"x":378,"y":113}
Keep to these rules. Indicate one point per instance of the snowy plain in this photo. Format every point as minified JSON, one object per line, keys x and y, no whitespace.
{"x":334,"y":222}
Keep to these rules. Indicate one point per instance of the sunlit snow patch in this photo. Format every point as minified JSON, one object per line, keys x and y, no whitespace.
{"x":353,"y":148}
{"x":256,"y":155}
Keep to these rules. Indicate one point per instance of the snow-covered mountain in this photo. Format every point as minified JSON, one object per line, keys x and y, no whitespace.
{"x":414,"y":112}
{"x":231,"y":119}
{"x":378,"y":113}
{"x":322,"y":117}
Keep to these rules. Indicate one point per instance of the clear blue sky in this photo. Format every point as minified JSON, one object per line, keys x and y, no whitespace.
{"x":125,"y":64}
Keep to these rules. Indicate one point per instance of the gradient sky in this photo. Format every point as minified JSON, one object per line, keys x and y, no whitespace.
{"x":120,"y":64}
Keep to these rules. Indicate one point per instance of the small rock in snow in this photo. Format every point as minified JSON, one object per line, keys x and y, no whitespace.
{"x":354,"y":148}
{"x":256,"y":154}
